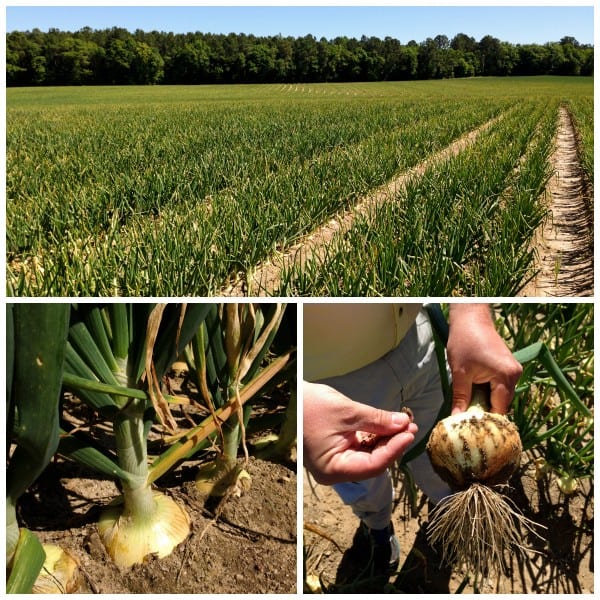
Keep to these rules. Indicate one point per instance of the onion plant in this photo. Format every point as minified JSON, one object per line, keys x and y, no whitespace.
{"x":116,"y":356}
{"x":476,"y":452}
{"x":128,"y":348}
{"x":36,"y":336}
{"x":553,"y":407}
{"x":582,"y":112}
{"x":476,"y":526}
{"x":226,"y":353}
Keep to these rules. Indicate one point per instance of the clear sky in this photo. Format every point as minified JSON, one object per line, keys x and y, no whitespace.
{"x":510,"y":23}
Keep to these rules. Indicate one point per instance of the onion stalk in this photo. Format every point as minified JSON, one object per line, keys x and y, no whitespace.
{"x":227,"y":353}
{"x":476,"y":452}
{"x":128,"y":347}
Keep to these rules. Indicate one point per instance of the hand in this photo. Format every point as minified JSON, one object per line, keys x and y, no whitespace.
{"x":332,"y":450}
{"x":477,"y":354}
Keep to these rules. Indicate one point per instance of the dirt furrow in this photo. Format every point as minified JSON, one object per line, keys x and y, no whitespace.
{"x":564,"y":244}
{"x":265,"y":279}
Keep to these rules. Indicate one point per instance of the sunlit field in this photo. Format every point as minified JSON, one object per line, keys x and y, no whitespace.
{"x":164,"y":190}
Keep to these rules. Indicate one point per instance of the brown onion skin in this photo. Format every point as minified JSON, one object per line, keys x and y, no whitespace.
{"x":487,"y":449}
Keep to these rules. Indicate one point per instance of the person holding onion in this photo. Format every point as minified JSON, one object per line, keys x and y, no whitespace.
{"x":363,"y":364}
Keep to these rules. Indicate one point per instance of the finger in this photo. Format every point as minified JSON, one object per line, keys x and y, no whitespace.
{"x":355,"y":465}
{"x":381,"y":422}
{"x":503,"y":388}
{"x":461,"y":393}
{"x":500,"y":398}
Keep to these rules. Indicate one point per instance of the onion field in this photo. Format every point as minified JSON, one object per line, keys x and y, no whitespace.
{"x":178,"y":191}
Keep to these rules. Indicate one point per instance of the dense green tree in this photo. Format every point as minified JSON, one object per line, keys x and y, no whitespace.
{"x":409,"y":62}
{"x":306,"y":58}
{"x":147,"y":64}
{"x":533,"y":59}
{"x":189,"y":63}
{"x":117,"y":56}
{"x":464,"y":43}
{"x":261,"y":61}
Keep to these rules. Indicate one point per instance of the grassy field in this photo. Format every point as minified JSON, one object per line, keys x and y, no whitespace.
{"x":174,"y":191}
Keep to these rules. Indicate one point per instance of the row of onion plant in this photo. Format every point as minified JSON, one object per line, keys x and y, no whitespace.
{"x":462,"y":228}
{"x":106,"y":207}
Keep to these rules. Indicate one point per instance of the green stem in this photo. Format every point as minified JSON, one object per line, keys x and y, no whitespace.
{"x":231,"y":432}
{"x":480,"y":397}
{"x":231,"y":438}
{"x":132,"y":455}
{"x":288,"y":433}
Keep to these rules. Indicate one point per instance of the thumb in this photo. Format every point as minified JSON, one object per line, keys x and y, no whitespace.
{"x":461,"y":393}
{"x":382,"y":422}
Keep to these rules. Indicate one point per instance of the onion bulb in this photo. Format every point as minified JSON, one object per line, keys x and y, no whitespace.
{"x":567,"y":484}
{"x":476,"y":452}
{"x":223,"y":477}
{"x":60,"y":573}
{"x":130,"y":538}
{"x":475,"y":445}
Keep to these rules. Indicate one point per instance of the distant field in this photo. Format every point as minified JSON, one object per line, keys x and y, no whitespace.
{"x":174,"y":191}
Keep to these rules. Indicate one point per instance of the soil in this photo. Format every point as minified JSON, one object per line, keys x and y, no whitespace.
{"x":564,"y":244}
{"x":242,"y":545}
{"x":560,"y":562}
{"x":245,"y":542}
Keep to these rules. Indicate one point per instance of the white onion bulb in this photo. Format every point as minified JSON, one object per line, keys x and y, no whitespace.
{"x":475,"y":452}
{"x":130,"y":540}
{"x":475,"y":446}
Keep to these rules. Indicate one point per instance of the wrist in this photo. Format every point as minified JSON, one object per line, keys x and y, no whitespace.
{"x":470,"y":313}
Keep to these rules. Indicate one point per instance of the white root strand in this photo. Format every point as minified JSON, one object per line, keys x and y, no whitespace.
{"x":476,"y":527}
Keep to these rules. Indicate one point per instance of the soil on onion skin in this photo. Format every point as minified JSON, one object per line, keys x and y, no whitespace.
{"x":243,"y":544}
{"x":561,"y":562}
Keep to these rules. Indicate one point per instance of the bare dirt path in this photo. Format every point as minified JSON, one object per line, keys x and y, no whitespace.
{"x":565,"y":242}
{"x":265,"y":279}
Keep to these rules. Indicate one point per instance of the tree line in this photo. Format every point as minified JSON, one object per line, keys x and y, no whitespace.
{"x":116,"y":56}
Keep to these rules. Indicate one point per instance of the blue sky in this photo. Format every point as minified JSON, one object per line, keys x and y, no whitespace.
{"x":515,"y":24}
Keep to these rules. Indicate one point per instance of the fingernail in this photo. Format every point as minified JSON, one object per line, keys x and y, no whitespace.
{"x":399,"y":418}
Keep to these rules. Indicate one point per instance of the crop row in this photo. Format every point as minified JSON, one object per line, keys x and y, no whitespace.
{"x":462,"y":228}
{"x":582,"y":111}
{"x":170,"y":199}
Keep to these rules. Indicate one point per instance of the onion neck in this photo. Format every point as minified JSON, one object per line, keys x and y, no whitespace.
{"x":231,"y":433}
{"x":132,"y":454}
{"x":480,"y":398}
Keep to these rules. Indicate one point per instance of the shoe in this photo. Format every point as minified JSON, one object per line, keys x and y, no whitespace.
{"x":385,"y":548}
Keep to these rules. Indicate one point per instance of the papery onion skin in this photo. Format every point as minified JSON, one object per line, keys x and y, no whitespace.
{"x":60,"y":573}
{"x":130,"y":540}
{"x":475,"y":446}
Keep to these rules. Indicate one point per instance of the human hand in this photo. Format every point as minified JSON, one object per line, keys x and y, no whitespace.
{"x":332,"y":426}
{"x":477,"y":354}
